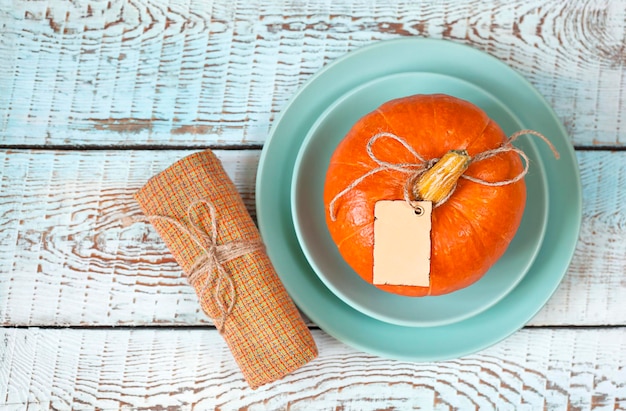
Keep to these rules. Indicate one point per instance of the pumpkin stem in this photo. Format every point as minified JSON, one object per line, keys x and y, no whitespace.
{"x":437,"y":183}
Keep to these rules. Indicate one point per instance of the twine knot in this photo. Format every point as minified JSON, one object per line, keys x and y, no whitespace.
{"x":211,"y":260}
{"x":416,"y":169}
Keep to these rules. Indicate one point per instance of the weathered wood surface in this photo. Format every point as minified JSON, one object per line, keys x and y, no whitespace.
{"x":174,"y":76}
{"x":69,"y":259}
{"x":64,"y":245}
{"x":198,"y":73}
{"x":137,"y":369}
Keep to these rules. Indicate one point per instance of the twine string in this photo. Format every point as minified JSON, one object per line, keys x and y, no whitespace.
{"x":416,"y":169}
{"x":212,"y":259}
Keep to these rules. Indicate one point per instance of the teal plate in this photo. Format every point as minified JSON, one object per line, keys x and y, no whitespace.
{"x":364,"y":332}
{"x":307,"y":207}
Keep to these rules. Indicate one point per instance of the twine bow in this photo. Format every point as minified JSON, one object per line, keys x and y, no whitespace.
{"x":212,"y":259}
{"x":416,"y":169}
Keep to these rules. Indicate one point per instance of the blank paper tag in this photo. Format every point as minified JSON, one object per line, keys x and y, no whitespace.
{"x":402,"y":243}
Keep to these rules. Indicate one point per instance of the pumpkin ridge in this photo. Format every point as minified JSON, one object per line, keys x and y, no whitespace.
{"x":391,"y":128}
{"x":476,"y":240}
{"x":463,"y":212}
{"x":435,"y":117}
{"x":494,"y":230}
{"x":344,"y":163}
{"x":482,"y":133}
{"x":355,"y":232}
{"x":477,"y":168}
{"x":487,"y":230}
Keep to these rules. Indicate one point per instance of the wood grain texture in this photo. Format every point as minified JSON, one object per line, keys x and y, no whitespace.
{"x":72,"y":249}
{"x":183,"y":369}
{"x":186,"y":74}
{"x":66,"y":258}
{"x":198,"y":73}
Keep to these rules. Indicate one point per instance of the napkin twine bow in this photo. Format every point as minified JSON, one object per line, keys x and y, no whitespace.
{"x":211,"y":260}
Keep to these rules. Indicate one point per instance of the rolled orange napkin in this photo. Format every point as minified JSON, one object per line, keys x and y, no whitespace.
{"x":197,"y":211}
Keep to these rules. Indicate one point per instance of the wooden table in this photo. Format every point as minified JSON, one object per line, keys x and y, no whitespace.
{"x":98,"y":96}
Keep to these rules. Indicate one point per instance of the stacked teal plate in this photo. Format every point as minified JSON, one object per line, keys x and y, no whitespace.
{"x":461,"y":323}
{"x":308,"y":209}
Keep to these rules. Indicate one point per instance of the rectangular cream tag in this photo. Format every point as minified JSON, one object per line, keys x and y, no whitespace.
{"x":402,"y":243}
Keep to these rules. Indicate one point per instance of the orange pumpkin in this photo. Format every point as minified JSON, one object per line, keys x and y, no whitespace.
{"x":470,"y":231}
